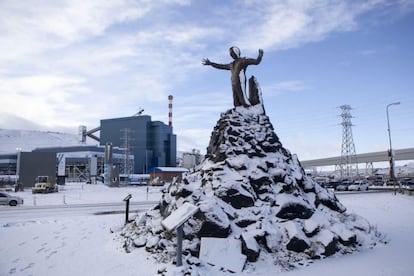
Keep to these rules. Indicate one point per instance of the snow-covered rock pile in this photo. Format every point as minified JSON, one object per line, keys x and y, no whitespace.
{"x":252,"y":189}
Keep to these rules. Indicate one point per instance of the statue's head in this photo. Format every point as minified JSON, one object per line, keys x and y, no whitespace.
{"x":234,"y":52}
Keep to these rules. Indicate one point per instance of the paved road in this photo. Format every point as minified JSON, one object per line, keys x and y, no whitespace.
{"x":8,"y":213}
{"x":371,"y":191}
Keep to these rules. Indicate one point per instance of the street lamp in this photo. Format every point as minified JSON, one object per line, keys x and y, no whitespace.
{"x":390,"y":153}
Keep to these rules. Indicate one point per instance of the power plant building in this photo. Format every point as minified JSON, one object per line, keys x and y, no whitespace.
{"x":136,"y":145}
{"x":152,"y":143}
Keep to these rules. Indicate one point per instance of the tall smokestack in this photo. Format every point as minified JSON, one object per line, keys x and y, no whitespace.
{"x":170,"y":99}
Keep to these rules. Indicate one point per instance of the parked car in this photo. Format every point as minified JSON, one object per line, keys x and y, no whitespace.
{"x":407,"y":181}
{"x":7,"y":199}
{"x":343,"y":186}
{"x":359,"y":186}
{"x":333,"y":184}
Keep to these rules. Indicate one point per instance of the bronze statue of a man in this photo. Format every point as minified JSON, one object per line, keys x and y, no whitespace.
{"x":238,"y":74}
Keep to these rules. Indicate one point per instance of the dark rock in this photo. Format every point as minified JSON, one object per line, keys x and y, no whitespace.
{"x":248,"y":138}
{"x":270,"y":164}
{"x":183,"y":192}
{"x":348,"y":241}
{"x":297,"y":244}
{"x":260,"y":182}
{"x":254,"y":92}
{"x":244,"y":222}
{"x":250,"y":247}
{"x":294,"y":210}
{"x":310,"y":228}
{"x":287,"y":188}
{"x":233,"y":132}
{"x":212,"y":221}
{"x":307,"y":189}
{"x":267,"y":147}
{"x":237,"y":199}
{"x":333,"y":205}
{"x":232,"y":140}
{"x":163,"y":206}
{"x":331,"y":248}
{"x":261,"y":189}
{"x":278,"y":178}
{"x":193,"y":261}
{"x":329,"y":242}
{"x":211,"y":229}
{"x":263,"y":169}
{"x":253,"y":154}
{"x":162,"y":270}
{"x":345,"y":236}
{"x":235,"y":123}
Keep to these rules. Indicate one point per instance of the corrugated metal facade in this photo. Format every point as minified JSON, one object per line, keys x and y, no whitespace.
{"x":151,"y":142}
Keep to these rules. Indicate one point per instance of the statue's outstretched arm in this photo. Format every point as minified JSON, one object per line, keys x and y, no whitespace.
{"x":206,"y":61}
{"x":257,"y":60}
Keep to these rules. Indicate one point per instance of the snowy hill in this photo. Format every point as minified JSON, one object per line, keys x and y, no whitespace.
{"x":27,"y":140}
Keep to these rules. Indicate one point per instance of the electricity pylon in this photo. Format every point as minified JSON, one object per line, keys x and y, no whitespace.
{"x":349,"y":164}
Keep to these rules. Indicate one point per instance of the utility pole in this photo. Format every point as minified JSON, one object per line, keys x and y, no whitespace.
{"x":390,"y":152}
{"x":349,"y":163}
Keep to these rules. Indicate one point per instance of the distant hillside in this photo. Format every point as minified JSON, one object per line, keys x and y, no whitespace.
{"x":27,"y":140}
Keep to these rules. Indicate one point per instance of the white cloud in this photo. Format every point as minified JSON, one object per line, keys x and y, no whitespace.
{"x":286,"y":24}
{"x":71,"y":47}
{"x":47,"y":99}
{"x":80,"y":61}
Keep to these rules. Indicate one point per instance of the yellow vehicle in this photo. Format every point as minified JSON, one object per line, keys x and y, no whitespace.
{"x":43,"y":185}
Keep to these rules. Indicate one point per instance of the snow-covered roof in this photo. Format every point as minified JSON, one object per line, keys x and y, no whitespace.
{"x":168,"y":169}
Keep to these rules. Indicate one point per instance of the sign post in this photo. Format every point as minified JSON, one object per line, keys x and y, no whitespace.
{"x":175,"y":221}
{"x":180,"y":245}
{"x":126,"y":199}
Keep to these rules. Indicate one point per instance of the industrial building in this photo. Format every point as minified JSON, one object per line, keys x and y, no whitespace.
{"x":161,"y":175}
{"x":128,"y":145}
{"x":152,"y":143}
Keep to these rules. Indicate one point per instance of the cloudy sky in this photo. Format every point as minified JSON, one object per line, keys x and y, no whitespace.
{"x":70,"y":63}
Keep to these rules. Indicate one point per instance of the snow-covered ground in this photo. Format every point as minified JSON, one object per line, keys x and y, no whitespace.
{"x":85,"y":244}
{"x":82,"y":193}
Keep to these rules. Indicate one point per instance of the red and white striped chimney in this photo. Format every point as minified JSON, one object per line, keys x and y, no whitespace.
{"x":170,"y":99}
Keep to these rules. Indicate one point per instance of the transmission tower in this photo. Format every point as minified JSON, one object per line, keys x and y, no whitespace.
{"x":126,"y":139}
{"x":349,"y":165}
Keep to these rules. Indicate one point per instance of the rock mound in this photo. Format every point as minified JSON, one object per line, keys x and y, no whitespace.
{"x":250,"y":188}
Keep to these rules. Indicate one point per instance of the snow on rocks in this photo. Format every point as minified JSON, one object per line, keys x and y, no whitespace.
{"x":250,"y":188}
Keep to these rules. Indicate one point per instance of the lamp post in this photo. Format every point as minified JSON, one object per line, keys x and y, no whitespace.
{"x":390,"y":153}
